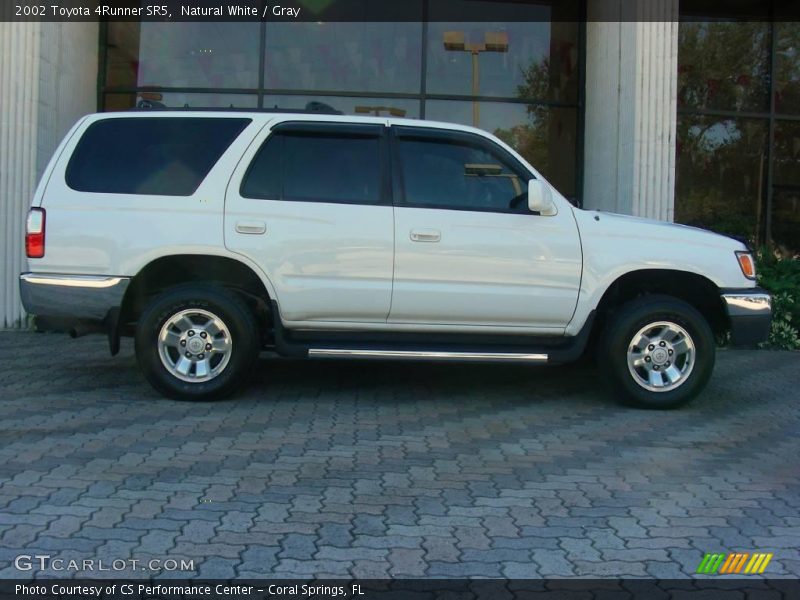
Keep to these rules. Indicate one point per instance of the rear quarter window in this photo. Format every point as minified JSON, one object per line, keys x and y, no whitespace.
{"x":162,"y":156}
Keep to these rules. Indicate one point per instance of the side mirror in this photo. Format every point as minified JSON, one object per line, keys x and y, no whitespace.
{"x":540,"y":198}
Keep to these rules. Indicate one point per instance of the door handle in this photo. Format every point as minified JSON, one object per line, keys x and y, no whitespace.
{"x":425,"y":235}
{"x":251,"y":227}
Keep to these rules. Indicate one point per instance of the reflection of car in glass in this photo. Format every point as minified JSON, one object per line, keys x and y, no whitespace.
{"x":209,"y":236}
{"x":149,"y":101}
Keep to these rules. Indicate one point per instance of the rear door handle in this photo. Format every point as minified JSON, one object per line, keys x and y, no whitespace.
{"x":251,"y":227}
{"x":425,"y":235}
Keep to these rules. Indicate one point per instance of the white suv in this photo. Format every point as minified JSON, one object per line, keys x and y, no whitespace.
{"x":210,"y":236}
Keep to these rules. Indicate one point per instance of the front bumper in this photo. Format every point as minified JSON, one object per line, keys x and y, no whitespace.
{"x":65,"y":302}
{"x":750,"y":314}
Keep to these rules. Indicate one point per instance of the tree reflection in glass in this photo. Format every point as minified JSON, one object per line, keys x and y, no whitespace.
{"x":721,"y":169}
{"x":545,"y":136}
{"x":723,"y":65}
{"x":786,"y":187}
{"x":787,"y":68}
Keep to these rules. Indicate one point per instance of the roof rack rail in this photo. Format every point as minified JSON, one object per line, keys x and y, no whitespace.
{"x":317,"y":108}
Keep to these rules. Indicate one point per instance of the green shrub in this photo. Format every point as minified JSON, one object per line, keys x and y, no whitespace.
{"x":781,"y":277}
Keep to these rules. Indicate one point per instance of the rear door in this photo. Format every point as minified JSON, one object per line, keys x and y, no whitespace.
{"x":310,"y":204}
{"x":468,"y":250}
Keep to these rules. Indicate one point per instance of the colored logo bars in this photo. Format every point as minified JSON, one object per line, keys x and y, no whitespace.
{"x":734,"y":562}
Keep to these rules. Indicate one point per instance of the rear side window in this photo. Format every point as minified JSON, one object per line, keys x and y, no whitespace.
{"x":150,"y":156}
{"x":317,"y":166}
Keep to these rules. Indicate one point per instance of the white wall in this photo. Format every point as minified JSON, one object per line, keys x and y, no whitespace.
{"x":19,"y":96}
{"x":48,"y":79}
{"x":631,"y":103}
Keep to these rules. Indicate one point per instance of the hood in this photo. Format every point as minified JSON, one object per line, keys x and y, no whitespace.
{"x":661,"y":231}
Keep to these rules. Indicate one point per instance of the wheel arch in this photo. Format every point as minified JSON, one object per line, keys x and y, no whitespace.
{"x":694,"y":289}
{"x":176,"y":269}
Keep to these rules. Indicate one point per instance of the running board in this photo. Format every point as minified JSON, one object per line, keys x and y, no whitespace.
{"x":425,"y":355}
{"x":432,"y":346}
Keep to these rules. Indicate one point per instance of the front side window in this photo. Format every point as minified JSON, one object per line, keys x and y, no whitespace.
{"x":317,"y":166}
{"x":460,"y":172}
{"x":167,"y":156}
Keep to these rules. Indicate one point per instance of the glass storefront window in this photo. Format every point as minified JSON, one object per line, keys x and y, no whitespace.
{"x":739,"y":175}
{"x":364,"y":106}
{"x":522,"y":60}
{"x":724,"y":65}
{"x":117,"y":102}
{"x":530,"y":58}
{"x":122,"y":55}
{"x":214,"y":55}
{"x":785,"y":225}
{"x":786,"y":169}
{"x":721,"y":172}
{"x":787,"y":65}
{"x":545,"y":137}
{"x":369,"y":57}
{"x":179,"y":100}
{"x":786,"y":219}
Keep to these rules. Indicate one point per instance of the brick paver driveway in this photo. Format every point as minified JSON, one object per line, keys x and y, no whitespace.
{"x":393,"y":469}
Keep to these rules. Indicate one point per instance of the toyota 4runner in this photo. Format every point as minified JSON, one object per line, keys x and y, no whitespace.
{"x":211,"y":236}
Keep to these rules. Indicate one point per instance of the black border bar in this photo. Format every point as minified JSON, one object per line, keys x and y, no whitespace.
{"x":385,"y":10}
{"x":718,"y":588}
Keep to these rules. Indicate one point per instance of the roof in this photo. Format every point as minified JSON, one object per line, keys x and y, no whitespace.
{"x":286,"y":115}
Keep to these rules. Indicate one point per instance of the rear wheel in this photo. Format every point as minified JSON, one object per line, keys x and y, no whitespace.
{"x":196,"y":343}
{"x":657,"y":352}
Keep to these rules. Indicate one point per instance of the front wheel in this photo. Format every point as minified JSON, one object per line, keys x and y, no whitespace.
{"x":657,"y":352}
{"x":196,"y":342}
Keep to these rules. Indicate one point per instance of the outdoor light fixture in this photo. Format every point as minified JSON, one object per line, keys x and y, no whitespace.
{"x":454,"y":41}
{"x":493,"y":41}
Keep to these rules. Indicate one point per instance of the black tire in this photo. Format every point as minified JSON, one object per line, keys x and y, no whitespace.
{"x":625,"y":323}
{"x":227,"y":307}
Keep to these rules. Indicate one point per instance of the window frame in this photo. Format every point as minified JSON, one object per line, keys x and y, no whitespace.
{"x":453,"y":137}
{"x":329,"y":128}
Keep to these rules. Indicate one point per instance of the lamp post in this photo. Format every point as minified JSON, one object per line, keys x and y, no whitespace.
{"x":493,"y":41}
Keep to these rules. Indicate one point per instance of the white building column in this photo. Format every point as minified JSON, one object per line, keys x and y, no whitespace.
{"x":631,"y":103}
{"x":48,"y":79}
{"x":19,"y":97}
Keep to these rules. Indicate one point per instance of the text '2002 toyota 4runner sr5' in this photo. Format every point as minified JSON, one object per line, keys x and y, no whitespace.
{"x":210,"y":236}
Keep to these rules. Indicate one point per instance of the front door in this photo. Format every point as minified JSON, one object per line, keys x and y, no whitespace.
{"x":467,"y":249}
{"x":310,"y":205}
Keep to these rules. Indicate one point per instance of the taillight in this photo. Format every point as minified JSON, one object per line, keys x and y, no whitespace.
{"x":746,"y":264}
{"x":34,"y":233}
